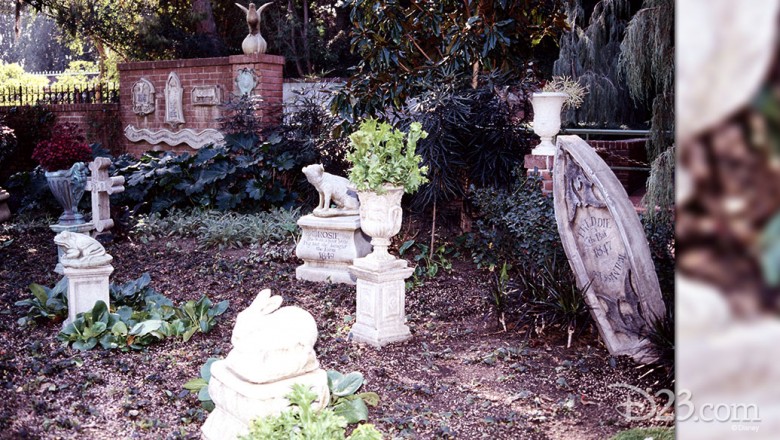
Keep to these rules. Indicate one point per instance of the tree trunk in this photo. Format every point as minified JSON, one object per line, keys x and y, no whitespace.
{"x":306,"y":52}
{"x":293,"y":46}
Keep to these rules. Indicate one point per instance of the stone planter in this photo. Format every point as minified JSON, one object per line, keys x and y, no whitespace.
{"x":380,"y":219}
{"x":68,"y":188}
{"x":547,"y":120}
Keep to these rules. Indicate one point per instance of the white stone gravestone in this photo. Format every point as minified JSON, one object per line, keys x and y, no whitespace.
{"x":273,"y":349}
{"x":606,"y":246}
{"x":174,"y":115}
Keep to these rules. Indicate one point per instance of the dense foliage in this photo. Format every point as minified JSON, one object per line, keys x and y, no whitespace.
{"x":517,"y":226}
{"x":66,"y":147}
{"x":382,"y":155}
{"x":474,"y":136}
{"x":408,"y":47}
{"x":7,"y":142}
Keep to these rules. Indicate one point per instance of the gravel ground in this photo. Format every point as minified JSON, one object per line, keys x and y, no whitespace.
{"x":460,"y":376}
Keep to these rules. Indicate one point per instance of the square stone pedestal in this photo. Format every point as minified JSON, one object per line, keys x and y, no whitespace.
{"x":380,"y":318}
{"x":328,"y":245}
{"x":86,"y":286}
{"x":238,"y":401}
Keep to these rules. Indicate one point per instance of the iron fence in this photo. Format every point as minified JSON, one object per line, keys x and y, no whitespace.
{"x":106,"y":93}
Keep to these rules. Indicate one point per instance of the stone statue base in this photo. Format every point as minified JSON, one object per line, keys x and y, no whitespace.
{"x":328,"y":246}
{"x":380,"y":317}
{"x":86,"y":286}
{"x":5,"y":213}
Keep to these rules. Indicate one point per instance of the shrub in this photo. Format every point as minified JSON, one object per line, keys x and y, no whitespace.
{"x":517,"y":225}
{"x":7,"y":143}
{"x":66,"y":147}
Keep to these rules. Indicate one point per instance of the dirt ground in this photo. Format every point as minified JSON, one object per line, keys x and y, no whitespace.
{"x":460,"y":376}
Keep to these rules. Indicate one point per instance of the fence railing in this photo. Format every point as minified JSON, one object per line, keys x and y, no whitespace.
{"x":107,"y":93}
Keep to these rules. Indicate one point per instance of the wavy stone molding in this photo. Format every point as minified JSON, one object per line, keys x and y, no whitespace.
{"x":187,"y":136}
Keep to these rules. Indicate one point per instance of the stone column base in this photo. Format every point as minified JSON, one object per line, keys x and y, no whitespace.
{"x":328,"y":245}
{"x":86,"y":286}
{"x":380,"y":318}
{"x":238,"y":402}
{"x":5,"y":213}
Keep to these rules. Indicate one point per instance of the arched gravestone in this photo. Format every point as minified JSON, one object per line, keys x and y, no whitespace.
{"x":606,"y":246}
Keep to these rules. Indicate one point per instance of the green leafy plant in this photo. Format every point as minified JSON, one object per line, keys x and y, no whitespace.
{"x":302,"y":422}
{"x":200,"y":315}
{"x":501,"y":293}
{"x":142,"y":317}
{"x":200,"y":385}
{"x":221,"y":229}
{"x":428,"y":264}
{"x":381,"y":155}
{"x":645,"y":433}
{"x":549,"y":297}
{"x":47,"y":303}
{"x":345,"y":401}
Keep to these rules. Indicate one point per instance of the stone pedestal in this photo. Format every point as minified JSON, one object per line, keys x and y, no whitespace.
{"x":381,"y":293}
{"x":273,"y":349}
{"x":328,"y":246}
{"x":86,"y":286}
{"x":5,"y":213}
{"x":238,"y":402}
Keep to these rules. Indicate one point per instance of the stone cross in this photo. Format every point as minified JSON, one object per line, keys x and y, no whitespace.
{"x":102,"y":186}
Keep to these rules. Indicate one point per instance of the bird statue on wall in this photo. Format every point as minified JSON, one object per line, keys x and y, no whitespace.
{"x":254,"y":42}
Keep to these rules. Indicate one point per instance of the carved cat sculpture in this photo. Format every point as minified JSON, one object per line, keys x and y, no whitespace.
{"x":331,"y":188}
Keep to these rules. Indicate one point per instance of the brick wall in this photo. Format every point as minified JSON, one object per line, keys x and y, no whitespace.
{"x":220,"y":71}
{"x":100,"y":123}
{"x":622,"y":153}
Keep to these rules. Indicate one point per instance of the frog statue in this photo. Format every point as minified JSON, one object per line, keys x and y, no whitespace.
{"x":81,"y":250}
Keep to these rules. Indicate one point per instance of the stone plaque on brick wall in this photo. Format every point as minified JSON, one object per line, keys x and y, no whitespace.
{"x":606,"y":246}
{"x":143,"y":97}
{"x":246,"y":81}
{"x":174,"y":115}
{"x":205,"y":95}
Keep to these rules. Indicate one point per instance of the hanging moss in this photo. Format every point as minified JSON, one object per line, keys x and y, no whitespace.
{"x":590,"y":53}
{"x":660,"y":187}
{"x":647,"y":65}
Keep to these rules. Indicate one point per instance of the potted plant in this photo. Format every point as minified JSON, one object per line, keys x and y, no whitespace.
{"x":561,"y":92}
{"x":384,"y":166}
{"x":63,"y":157}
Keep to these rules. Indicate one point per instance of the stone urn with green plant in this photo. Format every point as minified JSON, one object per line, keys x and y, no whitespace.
{"x":384,"y":166}
{"x":63,"y":158}
{"x":561,"y":92}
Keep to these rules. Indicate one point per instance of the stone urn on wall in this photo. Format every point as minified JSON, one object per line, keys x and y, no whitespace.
{"x":68,"y":188}
{"x":547,"y":119}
